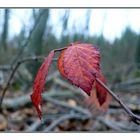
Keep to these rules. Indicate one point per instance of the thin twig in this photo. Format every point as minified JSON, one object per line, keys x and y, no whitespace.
{"x":63,"y":118}
{"x":134,"y":118}
{"x":60,"y":49}
{"x":126,"y":85}
{"x":75,"y":108}
{"x":36,"y":58}
{"x":34,"y":126}
{"x":109,"y":123}
{"x":5,"y":67}
{"x":132,"y":107}
{"x":37,"y":123}
{"x":24,"y":100}
{"x":115,"y":125}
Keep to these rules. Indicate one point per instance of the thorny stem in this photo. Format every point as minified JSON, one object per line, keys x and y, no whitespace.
{"x":133,"y":117}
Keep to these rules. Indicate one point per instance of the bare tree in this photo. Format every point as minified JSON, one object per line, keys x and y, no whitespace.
{"x":5,"y":29}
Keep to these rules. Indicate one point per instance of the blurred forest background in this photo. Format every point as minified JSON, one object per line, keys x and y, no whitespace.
{"x":63,"y":108}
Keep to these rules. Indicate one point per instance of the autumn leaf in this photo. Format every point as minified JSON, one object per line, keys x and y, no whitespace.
{"x":79,"y":63}
{"x":39,"y":83}
{"x":99,"y":98}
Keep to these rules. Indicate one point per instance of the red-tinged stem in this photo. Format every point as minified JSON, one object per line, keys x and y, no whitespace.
{"x":134,"y":118}
{"x":60,"y":49}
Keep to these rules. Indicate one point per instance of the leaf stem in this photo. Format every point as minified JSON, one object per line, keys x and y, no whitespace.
{"x":60,"y":49}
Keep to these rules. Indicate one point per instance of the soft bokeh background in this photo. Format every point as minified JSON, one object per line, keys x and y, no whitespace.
{"x":35,"y":32}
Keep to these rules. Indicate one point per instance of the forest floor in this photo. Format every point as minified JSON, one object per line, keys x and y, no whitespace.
{"x":64,"y":110}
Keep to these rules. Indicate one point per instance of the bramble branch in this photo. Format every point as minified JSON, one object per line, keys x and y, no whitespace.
{"x":133,"y":117}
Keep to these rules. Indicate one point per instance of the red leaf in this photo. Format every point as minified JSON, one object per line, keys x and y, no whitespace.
{"x":93,"y":101}
{"x":39,"y":83}
{"x":79,"y":63}
{"x":99,"y":96}
{"x":101,"y":92}
{"x":60,"y":64}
